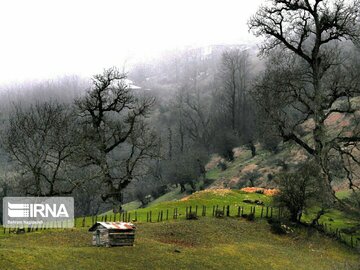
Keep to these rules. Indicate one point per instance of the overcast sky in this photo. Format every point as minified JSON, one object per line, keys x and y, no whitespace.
{"x":48,"y":38}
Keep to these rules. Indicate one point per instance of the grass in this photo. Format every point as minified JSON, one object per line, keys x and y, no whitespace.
{"x":342,"y":194}
{"x":131,"y":205}
{"x":207,"y":243}
{"x":173,"y":195}
{"x":168,"y":197}
{"x":208,"y":198}
{"x":335,"y":219}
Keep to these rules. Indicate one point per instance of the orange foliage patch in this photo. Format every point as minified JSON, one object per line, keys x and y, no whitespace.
{"x":219,"y":191}
{"x":268,"y":192}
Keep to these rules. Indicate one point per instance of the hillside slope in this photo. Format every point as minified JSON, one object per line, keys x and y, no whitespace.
{"x":198,"y":244}
{"x":265,"y":164}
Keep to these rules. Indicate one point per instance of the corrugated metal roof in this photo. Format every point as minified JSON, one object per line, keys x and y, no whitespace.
{"x":114,"y":225}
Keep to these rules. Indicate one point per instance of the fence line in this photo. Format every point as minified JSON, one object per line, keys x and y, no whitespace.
{"x":189,"y":213}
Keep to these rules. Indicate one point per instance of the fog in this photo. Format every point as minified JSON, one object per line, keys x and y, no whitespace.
{"x":44,"y":39}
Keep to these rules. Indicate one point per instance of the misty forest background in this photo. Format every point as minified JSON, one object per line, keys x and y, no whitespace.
{"x":135,"y":133}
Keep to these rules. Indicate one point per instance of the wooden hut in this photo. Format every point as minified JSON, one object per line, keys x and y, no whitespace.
{"x":113,"y":234}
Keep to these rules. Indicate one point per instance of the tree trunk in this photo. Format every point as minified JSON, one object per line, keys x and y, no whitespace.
{"x":182,"y":187}
{"x":170,"y":143}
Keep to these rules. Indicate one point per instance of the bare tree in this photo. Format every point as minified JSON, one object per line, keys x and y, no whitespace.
{"x":116,"y":139}
{"x":233,"y":107}
{"x":40,"y":140}
{"x":235,"y":69}
{"x":309,"y":78}
{"x":186,"y":169}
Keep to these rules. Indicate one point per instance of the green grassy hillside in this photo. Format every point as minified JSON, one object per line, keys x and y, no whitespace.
{"x":334,"y":219}
{"x":208,"y":198}
{"x":207,"y":243}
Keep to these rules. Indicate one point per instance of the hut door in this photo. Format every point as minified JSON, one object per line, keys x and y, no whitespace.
{"x":98,"y":238}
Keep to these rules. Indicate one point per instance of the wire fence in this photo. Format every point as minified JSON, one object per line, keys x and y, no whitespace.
{"x":188,"y":212}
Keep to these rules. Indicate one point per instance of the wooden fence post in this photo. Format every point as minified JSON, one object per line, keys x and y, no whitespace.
{"x":228,"y":210}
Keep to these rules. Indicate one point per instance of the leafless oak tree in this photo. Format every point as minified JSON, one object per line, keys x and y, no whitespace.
{"x":309,"y":77}
{"x":116,"y":138}
{"x":40,"y":140}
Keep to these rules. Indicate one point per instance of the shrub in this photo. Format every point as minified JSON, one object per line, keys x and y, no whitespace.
{"x":219,"y":213}
{"x":351,"y":230}
{"x":241,"y":184}
{"x":222,"y":166}
{"x":252,"y":176}
{"x":259,"y":202}
{"x":277,"y":227}
{"x":208,"y":182}
{"x":248,"y":201}
{"x":300,"y":190}
{"x":192,"y":216}
{"x":250,"y":217}
{"x":224,"y":142}
{"x":353,"y":200}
